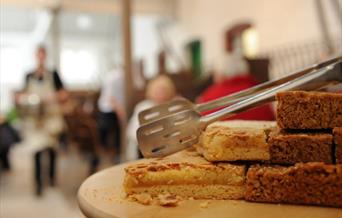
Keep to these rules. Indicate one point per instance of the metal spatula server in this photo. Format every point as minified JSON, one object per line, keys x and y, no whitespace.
{"x":175,"y":126}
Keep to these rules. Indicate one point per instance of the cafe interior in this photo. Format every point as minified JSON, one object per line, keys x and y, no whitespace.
{"x":74,"y":74}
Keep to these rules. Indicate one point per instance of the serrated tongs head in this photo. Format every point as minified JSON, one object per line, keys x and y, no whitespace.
{"x":159,"y":137}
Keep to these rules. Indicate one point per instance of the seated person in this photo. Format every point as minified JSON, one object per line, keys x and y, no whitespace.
{"x":236,"y":79}
{"x":8,"y":136}
{"x":158,"y":91}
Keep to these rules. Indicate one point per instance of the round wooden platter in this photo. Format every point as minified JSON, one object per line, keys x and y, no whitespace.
{"x":102,"y":196}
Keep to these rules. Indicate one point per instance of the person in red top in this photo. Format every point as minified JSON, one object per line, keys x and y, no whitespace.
{"x":236,"y":77}
{"x":230,"y":85}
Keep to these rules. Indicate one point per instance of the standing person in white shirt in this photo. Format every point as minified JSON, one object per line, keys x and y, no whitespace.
{"x":111,"y":111}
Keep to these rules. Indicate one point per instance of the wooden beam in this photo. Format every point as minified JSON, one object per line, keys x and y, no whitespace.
{"x":98,"y":6}
{"x":164,"y":7}
{"x":126,"y":36}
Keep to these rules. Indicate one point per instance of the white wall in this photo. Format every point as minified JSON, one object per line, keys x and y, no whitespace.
{"x":145,"y":42}
{"x":278,"y":22}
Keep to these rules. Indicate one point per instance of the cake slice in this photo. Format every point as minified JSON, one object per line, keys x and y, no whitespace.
{"x":338,"y":144}
{"x":290,"y":148}
{"x":235,"y":140}
{"x":187,"y":175}
{"x":309,"y":110}
{"x":304,"y":183}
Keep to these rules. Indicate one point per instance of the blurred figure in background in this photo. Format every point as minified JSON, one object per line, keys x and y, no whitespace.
{"x":112,"y":112}
{"x":159,"y":90}
{"x":236,"y":77}
{"x":235,"y":81}
{"x":44,"y":91}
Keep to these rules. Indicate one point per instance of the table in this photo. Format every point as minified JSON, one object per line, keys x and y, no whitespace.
{"x":102,"y":196}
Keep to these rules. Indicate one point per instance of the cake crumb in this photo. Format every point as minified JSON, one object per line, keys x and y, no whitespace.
{"x":204,"y":204}
{"x":168,"y":200}
{"x":142,"y":198}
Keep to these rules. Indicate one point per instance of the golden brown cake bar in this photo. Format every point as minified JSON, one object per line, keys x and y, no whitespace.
{"x":309,"y":110}
{"x":305,"y":183}
{"x":338,"y":144}
{"x":290,"y":148}
{"x":235,"y":140}
{"x":186,"y":174}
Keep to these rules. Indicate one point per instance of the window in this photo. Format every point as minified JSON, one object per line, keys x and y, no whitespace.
{"x":11,"y":74}
{"x":78,"y":67}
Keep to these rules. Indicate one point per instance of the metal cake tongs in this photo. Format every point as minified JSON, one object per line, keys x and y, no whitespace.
{"x":174,"y":126}
{"x":175,"y":106}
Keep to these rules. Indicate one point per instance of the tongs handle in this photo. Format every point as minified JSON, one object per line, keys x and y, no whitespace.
{"x":239,"y":96}
{"x":314,"y":80}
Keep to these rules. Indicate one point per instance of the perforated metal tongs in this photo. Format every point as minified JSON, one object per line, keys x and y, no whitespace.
{"x":176,"y":125}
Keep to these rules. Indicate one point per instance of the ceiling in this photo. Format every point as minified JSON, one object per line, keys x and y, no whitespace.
{"x":17,"y":19}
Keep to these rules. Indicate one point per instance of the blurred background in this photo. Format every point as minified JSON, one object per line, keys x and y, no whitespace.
{"x":75,"y":73}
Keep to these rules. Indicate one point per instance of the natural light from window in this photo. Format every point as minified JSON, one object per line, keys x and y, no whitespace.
{"x":78,"y":66}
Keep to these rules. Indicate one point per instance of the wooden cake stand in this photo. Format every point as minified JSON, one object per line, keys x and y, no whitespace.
{"x":102,"y":196}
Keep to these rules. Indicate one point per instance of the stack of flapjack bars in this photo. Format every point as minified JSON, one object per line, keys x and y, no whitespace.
{"x":297,"y":159}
